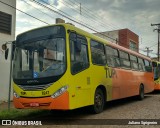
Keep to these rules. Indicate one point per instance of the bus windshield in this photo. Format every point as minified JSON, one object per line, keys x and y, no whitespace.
{"x":42,"y":60}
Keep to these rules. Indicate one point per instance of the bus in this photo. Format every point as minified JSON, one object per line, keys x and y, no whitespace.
{"x":61,"y":67}
{"x":156,"y":68}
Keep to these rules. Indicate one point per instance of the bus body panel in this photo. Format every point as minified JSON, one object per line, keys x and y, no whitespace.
{"x":148,"y":82}
{"x":125,"y":84}
{"x":81,"y":90}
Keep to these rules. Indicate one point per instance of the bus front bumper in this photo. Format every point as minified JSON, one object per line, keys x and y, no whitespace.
{"x":59,"y":103}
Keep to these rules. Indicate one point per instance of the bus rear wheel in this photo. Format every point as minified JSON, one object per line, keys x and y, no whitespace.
{"x":141,"y":92}
{"x":99,"y":101}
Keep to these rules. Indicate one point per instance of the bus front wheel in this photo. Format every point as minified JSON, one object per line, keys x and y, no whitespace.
{"x":99,"y":101}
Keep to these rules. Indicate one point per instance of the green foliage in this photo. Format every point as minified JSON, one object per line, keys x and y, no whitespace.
{"x":19,"y":113}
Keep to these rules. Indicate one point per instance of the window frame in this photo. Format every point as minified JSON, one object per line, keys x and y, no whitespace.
{"x":148,"y":66}
{"x":104,"y":52}
{"x":124,"y":59}
{"x":112,"y":55}
{"x":143,"y":65}
{"x":133,"y":61}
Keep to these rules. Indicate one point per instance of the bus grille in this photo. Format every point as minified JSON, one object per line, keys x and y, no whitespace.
{"x":34,"y":87}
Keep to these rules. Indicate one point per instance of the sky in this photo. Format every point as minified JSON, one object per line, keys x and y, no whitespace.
{"x":100,"y":15}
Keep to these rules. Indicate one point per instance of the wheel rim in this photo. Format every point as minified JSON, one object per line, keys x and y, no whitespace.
{"x":99,"y":102}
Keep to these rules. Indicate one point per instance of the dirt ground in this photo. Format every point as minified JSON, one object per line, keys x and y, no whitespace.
{"x":4,"y":105}
{"x":129,"y":109}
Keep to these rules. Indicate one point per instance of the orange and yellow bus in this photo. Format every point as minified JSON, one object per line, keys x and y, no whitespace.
{"x":63,"y":67}
{"x":156,"y":68}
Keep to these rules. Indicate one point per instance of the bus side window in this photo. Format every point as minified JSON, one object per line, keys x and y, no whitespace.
{"x":79,"y":59}
{"x":98,"y":53}
{"x":141,"y":64}
{"x":125,"y":62}
{"x":134,"y":63}
{"x":112,"y":57}
{"x":148,"y":66}
{"x":109,"y":53}
{"x":116,"y":58}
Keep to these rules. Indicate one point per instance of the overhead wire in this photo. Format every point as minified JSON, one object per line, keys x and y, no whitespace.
{"x":101,"y":33}
{"x":23,"y":12}
{"x":38,"y":9}
{"x":92,"y":16}
{"x":95,"y":15}
{"x":89,"y":28}
{"x":39,"y":3}
{"x":81,"y":16}
{"x":86,"y":9}
{"x":53,"y":11}
{"x":60,"y":11}
{"x":50,"y":16}
{"x":75,"y":1}
{"x":86,"y":17}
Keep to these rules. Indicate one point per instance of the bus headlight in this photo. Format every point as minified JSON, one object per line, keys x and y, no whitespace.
{"x":15,"y":94}
{"x":60,"y":91}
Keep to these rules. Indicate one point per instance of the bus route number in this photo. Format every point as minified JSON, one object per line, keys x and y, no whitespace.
{"x":45,"y":92}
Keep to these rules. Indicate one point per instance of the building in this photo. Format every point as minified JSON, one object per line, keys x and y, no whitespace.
{"x":123,"y":37}
{"x":7,"y":33}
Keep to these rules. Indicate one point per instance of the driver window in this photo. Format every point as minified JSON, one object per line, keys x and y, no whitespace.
{"x":79,"y":59}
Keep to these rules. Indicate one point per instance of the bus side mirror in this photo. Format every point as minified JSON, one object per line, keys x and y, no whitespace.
{"x":4,"y":47}
{"x":154,"y":64}
{"x":77,"y":46}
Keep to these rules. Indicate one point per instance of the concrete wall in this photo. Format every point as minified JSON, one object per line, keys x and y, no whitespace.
{"x":5,"y":64}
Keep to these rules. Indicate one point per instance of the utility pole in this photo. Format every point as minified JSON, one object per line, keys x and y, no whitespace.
{"x":80,"y":9}
{"x":4,"y":47}
{"x":148,"y":51}
{"x":158,"y":30}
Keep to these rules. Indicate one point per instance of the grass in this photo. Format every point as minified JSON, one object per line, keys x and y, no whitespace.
{"x":20,"y":113}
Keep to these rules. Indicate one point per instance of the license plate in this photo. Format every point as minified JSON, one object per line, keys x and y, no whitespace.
{"x":34,"y":104}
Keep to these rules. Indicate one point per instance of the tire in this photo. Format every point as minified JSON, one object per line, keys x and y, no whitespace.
{"x":141,"y":92}
{"x":99,"y":102}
